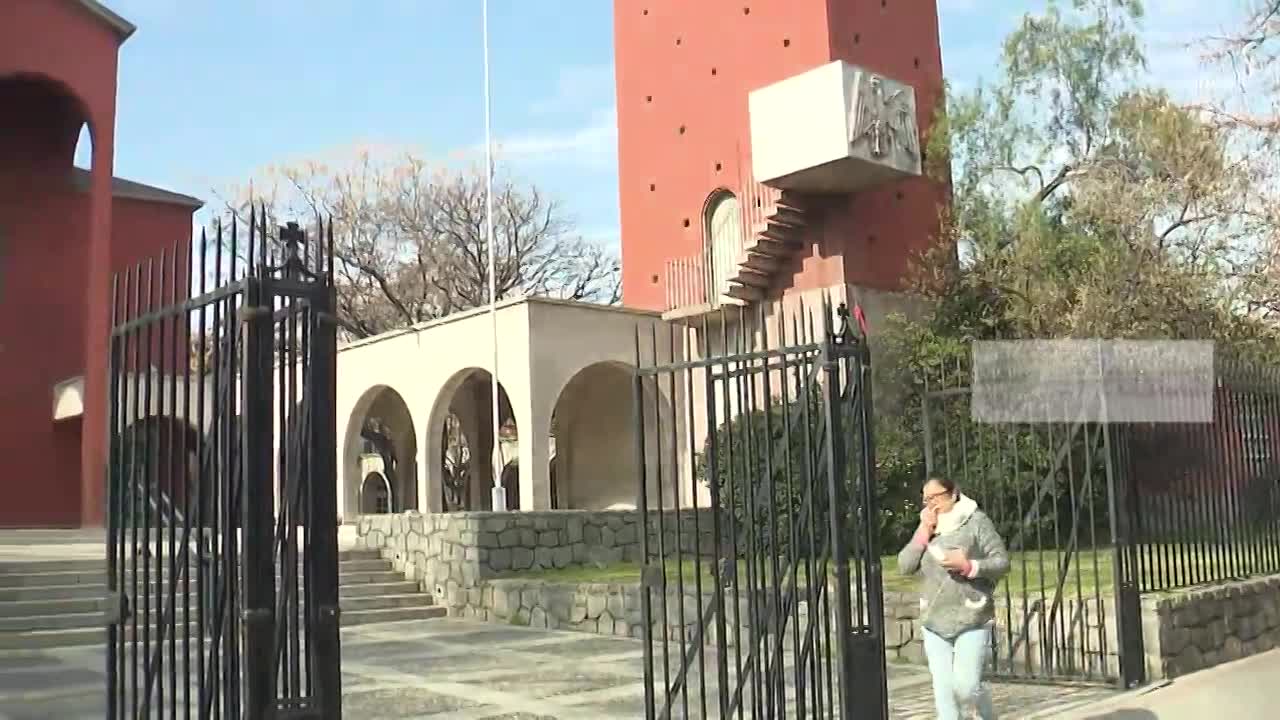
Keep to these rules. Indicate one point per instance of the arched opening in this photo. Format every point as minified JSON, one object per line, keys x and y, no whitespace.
{"x":45,"y":227}
{"x":82,"y":158}
{"x":376,"y":497}
{"x":723,"y":238}
{"x":381,"y":440}
{"x":456,"y":467}
{"x":157,"y":460}
{"x":462,"y":423}
{"x":595,"y":443}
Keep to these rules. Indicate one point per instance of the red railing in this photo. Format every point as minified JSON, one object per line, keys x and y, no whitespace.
{"x":686,"y":282}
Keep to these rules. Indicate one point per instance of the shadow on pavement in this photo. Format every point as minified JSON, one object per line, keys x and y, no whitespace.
{"x":1124,"y":714}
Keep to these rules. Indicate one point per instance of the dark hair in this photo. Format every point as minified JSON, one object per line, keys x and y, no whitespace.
{"x":946,"y":483}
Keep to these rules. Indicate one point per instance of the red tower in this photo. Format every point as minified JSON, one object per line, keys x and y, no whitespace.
{"x":62,"y":233}
{"x":713,"y":94}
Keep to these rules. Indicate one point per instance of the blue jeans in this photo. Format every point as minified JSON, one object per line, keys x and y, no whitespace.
{"x":957,"y":666}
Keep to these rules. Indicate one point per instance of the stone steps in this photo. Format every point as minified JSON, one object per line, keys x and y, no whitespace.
{"x":61,"y":603}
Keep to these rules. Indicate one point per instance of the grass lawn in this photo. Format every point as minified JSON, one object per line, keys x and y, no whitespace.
{"x":1027,"y":572}
{"x":1031,"y":573}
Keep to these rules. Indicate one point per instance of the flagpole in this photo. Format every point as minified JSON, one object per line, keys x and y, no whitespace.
{"x":499,"y":496}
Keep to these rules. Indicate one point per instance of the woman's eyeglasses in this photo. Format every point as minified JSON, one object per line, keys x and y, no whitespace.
{"x":930,"y":497}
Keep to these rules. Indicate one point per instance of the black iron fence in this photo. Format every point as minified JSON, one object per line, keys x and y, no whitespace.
{"x":222,"y":553}
{"x":1094,"y":514}
{"x":1204,"y":498}
{"x":779,"y":612}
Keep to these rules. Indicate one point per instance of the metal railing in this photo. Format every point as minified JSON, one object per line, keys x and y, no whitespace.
{"x":1204,"y":498}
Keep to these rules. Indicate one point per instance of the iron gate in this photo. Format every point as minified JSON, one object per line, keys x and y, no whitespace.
{"x":761,"y":593}
{"x":222,"y":559}
{"x":1068,"y":609}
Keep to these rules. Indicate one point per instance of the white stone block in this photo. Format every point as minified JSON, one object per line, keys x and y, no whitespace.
{"x":835,"y":128}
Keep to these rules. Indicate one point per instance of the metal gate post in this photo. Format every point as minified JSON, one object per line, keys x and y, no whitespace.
{"x":1128,"y":602}
{"x":322,"y":533}
{"x":257,"y":506}
{"x":837,"y":502}
{"x":872,"y":702}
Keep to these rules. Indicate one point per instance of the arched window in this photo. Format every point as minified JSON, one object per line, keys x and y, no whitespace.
{"x":723,"y":233}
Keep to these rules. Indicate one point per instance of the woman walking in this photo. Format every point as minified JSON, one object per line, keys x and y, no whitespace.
{"x":962,"y":557}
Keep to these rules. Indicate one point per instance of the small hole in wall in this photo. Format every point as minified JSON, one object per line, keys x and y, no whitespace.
{"x":746,"y":11}
{"x":681,"y":130}
{"x":717,"y":167}
{"x":871,"y":239}
{"x":917,"y":63}
{"x":884,"y":3}
{"x":653,"y":279}
{"x":678,"y":41}
{"x":652,"y":187}
{"x":786,"y":42}
{"x":686,"y":222}
{"x":857,"y":38}
{"x":648,"y":98}
{"x":898,"y":194}
{"x":646,"y":11}
{"x":713,"y":71}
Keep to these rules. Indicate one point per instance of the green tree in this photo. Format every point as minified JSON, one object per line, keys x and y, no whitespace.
{"x":1085,"y":205}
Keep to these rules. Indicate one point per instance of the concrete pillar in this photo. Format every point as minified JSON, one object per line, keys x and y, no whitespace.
{"x":93,"y":441}
{"x":534,"y":424}
{"x":479,"y":431}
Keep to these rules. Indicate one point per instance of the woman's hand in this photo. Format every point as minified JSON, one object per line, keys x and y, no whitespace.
{"x":928,"y":520}
{"x":955,"y":561}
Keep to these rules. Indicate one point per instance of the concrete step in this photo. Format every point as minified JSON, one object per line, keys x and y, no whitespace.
{"x":63,"y":621}
{"x":52,"y":592}
{"x":402,"y":587}
{"x":45,"y":639}
{"x":386,"y":602}
{"x":84,"y":591}
{"x":365,"y":617}
{"x":47,"y":606}
{"x":359,"y":578}
{"x":358,"y":571}
{"x":72,"y":614}
{"x":27,"y":567}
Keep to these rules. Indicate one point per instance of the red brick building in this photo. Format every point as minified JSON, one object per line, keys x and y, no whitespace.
{"x":63,"y":231}
{"x":695,"y":122}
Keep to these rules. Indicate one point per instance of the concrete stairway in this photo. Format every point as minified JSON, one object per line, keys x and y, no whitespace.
{"x":774,"y":224}
{"x":60,"y":603}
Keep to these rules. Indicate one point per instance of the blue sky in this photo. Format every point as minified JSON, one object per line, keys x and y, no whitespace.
{"x":215,"y":91}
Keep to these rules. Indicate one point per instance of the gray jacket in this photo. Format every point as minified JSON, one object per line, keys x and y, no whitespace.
{"x":951,"y":604}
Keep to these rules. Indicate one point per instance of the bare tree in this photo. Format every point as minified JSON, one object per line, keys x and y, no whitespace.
{"x":410,"y":241}
{"x":1251,"y":52}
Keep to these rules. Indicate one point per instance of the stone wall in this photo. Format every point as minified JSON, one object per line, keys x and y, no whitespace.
{"x":1183,"y":630}
{"x":450,"y":553}
{"x":1194,"y":629}
{"x":1083,"y":634}
{"x":608,"y":609}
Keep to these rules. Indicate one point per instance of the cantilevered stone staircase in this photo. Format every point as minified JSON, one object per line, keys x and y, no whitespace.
{"x":774,"y":222}
{"x":61,"y":603}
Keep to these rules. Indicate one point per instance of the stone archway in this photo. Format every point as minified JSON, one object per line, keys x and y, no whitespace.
{"x":376,"y":495}
{"x":164,"y":464}
{"x":381,"y":438}
{"x":50,"y":234}
{"x":461,"y":438}
{"x":593,"y":426}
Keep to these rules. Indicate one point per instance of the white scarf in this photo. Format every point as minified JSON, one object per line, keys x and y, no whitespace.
{"x":950,"y":521}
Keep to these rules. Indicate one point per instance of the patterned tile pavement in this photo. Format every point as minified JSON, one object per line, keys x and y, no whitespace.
{"x":468,"y":671}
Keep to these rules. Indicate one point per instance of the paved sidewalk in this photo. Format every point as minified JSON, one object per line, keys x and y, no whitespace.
{"x":453,"y":669}
{"x":1241,"y":690}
